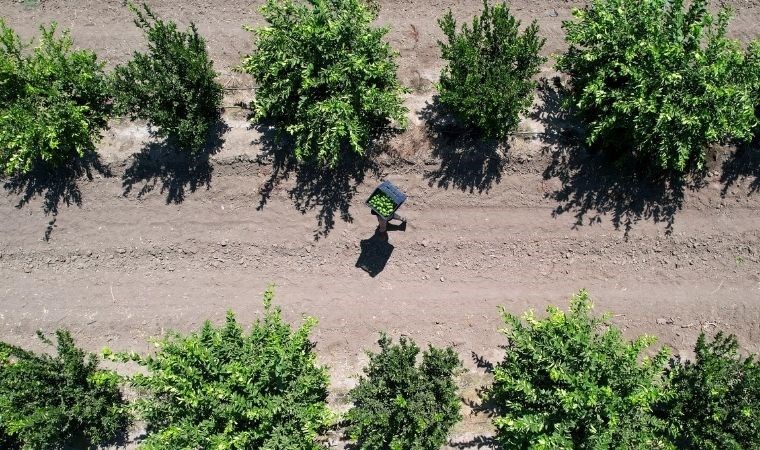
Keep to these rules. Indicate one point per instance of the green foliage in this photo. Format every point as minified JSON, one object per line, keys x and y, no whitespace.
{"x":752,"y":72}
{"x":224,"y":389}
{"x":53,"y":101}
{"x":172,"y":86}
{"x":570,"y":381}
{"x":48,"y":402}
{"x":657,"y":79}
{"x":715,"y":401}
{"x":325,"y":76}
{"x":487,"y":82}
{"x":399,"y":405}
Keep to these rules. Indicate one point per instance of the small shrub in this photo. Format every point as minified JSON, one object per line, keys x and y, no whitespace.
{"x":570,"y":381}
{"x":53,"y":101}
{"x":48,"y":402}
{"x":221,"y":388}
{"x":488,"y":82}
{"x":715,"y":400}
{"x":400,"y":405}
{"x":325,"y":76}
{"x":172,"y":86}
{"x":657,"y":80}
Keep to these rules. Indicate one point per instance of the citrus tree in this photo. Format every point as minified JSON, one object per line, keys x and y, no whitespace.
{"x":570,"y":381}
{"x":658,"y":80}
{"x":223,"y":388}
{"x":715,"y":399}
{"x":54,"y":101}
{"x":49,"y":402}
{"x":487,"y":82}
{"x":173,"y":85}
{"x":400,"y":404}
{"x":324,"y":76}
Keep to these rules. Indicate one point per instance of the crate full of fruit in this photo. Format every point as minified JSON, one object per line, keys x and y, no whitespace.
{"x":386,"y":199}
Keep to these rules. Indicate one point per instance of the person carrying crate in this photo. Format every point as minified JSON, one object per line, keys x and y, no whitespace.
{"x":383,"y":203}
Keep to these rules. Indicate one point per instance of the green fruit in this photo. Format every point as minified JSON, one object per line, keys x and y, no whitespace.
{"x":383,"y":204}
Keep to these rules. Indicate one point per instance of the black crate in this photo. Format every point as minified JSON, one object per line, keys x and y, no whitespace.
{"x":396,"y":196}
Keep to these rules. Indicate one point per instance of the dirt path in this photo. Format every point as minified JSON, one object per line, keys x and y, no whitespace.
{"x":156,"y":243}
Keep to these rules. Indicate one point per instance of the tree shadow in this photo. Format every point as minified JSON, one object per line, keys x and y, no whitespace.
{"x":56,"y":186}
{"x":328,"y":191}
{"x":744,"y":163}
{"x":468,"y":162}
{"x":483,"y":406}
{"x":592,"y":184}
{"x":478,"y":442}
{"x":482,"y":363}
{"x":175,"y":172}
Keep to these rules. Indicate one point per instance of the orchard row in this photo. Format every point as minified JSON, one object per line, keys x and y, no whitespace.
{"x":655,"y":81}
{"x":567,"y":380}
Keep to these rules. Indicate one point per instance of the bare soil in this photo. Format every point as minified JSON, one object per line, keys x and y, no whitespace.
{"x":144,"y":240}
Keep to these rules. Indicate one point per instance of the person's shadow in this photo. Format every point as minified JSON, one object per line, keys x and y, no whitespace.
{"x":376,"y":251}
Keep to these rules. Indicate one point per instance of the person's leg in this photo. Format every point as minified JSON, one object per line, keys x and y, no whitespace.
{"x":381,"y":224}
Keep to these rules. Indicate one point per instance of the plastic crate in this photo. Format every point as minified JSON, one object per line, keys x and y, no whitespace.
{"x":396,"y":196}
